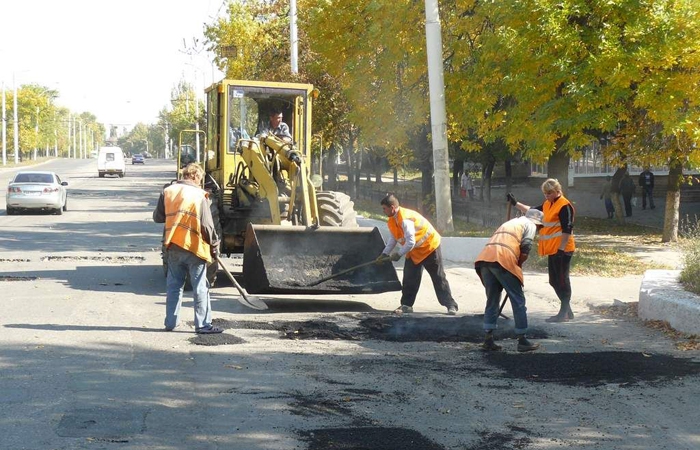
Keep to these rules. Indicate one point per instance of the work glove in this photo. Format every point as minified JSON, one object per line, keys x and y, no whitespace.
{"x":511,"y":199}
{"x":395,"y":256}
{"x":382,"y":258}
{"x":214,"y":252}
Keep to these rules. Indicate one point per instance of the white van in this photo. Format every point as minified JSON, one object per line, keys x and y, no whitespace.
{"x":110,"y":161}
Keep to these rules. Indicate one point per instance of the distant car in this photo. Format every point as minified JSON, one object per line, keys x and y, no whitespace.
{"x":36,"y":191}
{"x":137,"y":159}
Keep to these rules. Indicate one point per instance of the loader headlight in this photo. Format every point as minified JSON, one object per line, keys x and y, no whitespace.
{"x":316,"y":181}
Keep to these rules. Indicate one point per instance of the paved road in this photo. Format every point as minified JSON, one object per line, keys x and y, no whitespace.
{"x":85,"y":364}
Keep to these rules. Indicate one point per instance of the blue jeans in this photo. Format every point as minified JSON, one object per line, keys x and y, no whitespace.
{"x":180,"y":263}
{"x":495,"y":279}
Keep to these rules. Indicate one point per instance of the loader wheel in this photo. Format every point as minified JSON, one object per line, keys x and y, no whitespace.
{"x":336,"y":209}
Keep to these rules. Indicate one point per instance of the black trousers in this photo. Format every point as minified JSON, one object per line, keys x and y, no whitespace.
{"x":412,"y":274}
{"x":627,"y":198}
{"x":559,"y":266}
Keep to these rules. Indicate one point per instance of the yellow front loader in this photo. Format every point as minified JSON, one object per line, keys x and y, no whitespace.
{"x":268,"y":205}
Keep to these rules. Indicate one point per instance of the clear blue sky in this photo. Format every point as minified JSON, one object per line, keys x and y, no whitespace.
{"x":116,"y":59}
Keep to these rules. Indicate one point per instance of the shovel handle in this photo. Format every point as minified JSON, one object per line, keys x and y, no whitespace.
{"x":342,"y":272}
{"x":233,"y":280}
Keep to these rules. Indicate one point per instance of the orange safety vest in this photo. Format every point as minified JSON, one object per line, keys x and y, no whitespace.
{"x":427,"y":238}
{"x":550,"y":234}
{"x":504,"y":247}
{"x":183,"y":226}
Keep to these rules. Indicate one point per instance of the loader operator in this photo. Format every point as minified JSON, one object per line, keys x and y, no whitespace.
{"x":499,"y":266}
{"x":191,"y":242}
{"x":277,"y":127}
{"x":420,"y":244}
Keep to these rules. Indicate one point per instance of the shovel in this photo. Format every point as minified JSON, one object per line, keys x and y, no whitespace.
{"x":244,"y":299}
{"x":342,"y":272}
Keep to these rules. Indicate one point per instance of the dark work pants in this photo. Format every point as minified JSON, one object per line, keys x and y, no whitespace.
{"x":495,"y":279}
{"x":412,"y":274}
{"x":627,"y":198}
{"x":647,"y":191}
{"x":558,"y":266}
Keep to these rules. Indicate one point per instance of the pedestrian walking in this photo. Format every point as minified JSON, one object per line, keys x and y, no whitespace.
{"x":419,"y":242}
{"x":606,"y":195}
{"x":556,"y":241}
{"x":191,"y":243}
{"x":646,"y":182}
{"x":627,"y":190}
{"x":499,"y":266}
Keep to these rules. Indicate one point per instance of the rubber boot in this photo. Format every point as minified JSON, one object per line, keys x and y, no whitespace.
{"x":489,"y":344}
{"x":526,"y":346}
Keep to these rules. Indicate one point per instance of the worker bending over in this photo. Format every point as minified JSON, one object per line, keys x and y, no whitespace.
{"x":419,"y":242}
{"x":499,"y":266}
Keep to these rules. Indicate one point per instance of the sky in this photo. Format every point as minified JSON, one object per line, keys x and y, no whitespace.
{"x":118,"y":60}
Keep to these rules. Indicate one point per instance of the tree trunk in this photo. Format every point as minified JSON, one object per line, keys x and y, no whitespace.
{"x":331,"y":168}
{"x":487,"y":177}
{"x":351,"y":172}
{"x":457,"y":167}
{"x":673,"y":201}
{"x":615,"y":194}
{"x":509,"y":175}
{"x":396,"y":177}
{"x":558,"y":168}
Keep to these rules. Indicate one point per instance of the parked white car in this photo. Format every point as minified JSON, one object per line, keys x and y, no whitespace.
{"x":36,"y":191}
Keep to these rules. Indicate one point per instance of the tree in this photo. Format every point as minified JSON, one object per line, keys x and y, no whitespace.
{"x":547,"y":76}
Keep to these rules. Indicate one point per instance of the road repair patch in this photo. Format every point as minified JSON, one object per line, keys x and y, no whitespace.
{"x":16,"y":278}
{"x":593,"y":369}
{"x":216,"y":339}
{"x":386,"y":328}
{"x":376,"y":438}
{"x":109,"y":259}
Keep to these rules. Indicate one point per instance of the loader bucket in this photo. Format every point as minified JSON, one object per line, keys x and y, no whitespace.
{"x":286,"y":259}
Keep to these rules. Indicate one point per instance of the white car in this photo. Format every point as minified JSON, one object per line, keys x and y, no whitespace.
{"x":37,"y":191}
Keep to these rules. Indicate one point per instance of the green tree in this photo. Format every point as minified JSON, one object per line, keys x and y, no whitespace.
{"x":549,"y":76}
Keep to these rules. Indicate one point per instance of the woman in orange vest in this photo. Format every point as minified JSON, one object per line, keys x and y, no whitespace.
{"x":419,"y":242}
{"x":556,"y":241}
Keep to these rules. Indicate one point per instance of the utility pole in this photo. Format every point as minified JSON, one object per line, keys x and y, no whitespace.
{"x":293,"y":35}
{"x":438,"y":117}
{"x":15,"y":124}
{"x":4,"y":127}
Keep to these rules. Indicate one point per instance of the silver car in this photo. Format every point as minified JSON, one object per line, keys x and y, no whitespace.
{"x":37,"y":191}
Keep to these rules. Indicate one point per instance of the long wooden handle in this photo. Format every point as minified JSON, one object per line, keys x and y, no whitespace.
{"x":508,"y":210}
{"x":342,"y":272}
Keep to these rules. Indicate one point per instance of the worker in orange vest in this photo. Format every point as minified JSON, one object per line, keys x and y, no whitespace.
{"x":556,"y":241}
{"x":192,"y":242}
{"x":419,"y":242}
{"x":499,"y":266}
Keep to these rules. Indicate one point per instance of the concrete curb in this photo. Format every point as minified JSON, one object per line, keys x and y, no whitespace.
{"x":661,"y":297}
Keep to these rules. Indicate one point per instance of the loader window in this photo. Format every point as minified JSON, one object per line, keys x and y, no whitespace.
{"x":243,"y":117}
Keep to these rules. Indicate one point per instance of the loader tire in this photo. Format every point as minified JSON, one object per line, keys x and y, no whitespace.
{"x":336,"y":209}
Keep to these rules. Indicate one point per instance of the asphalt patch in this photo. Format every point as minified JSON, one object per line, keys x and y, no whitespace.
{"x":388,"y":328}
{"x":492,"y":440}
{"x":110,"y":424}
{"x":593,"y":369}
{"x":216,"y":339}
{"x":112,"y":259}
{"x":365,"y":438}
{"x":16,"y":278}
